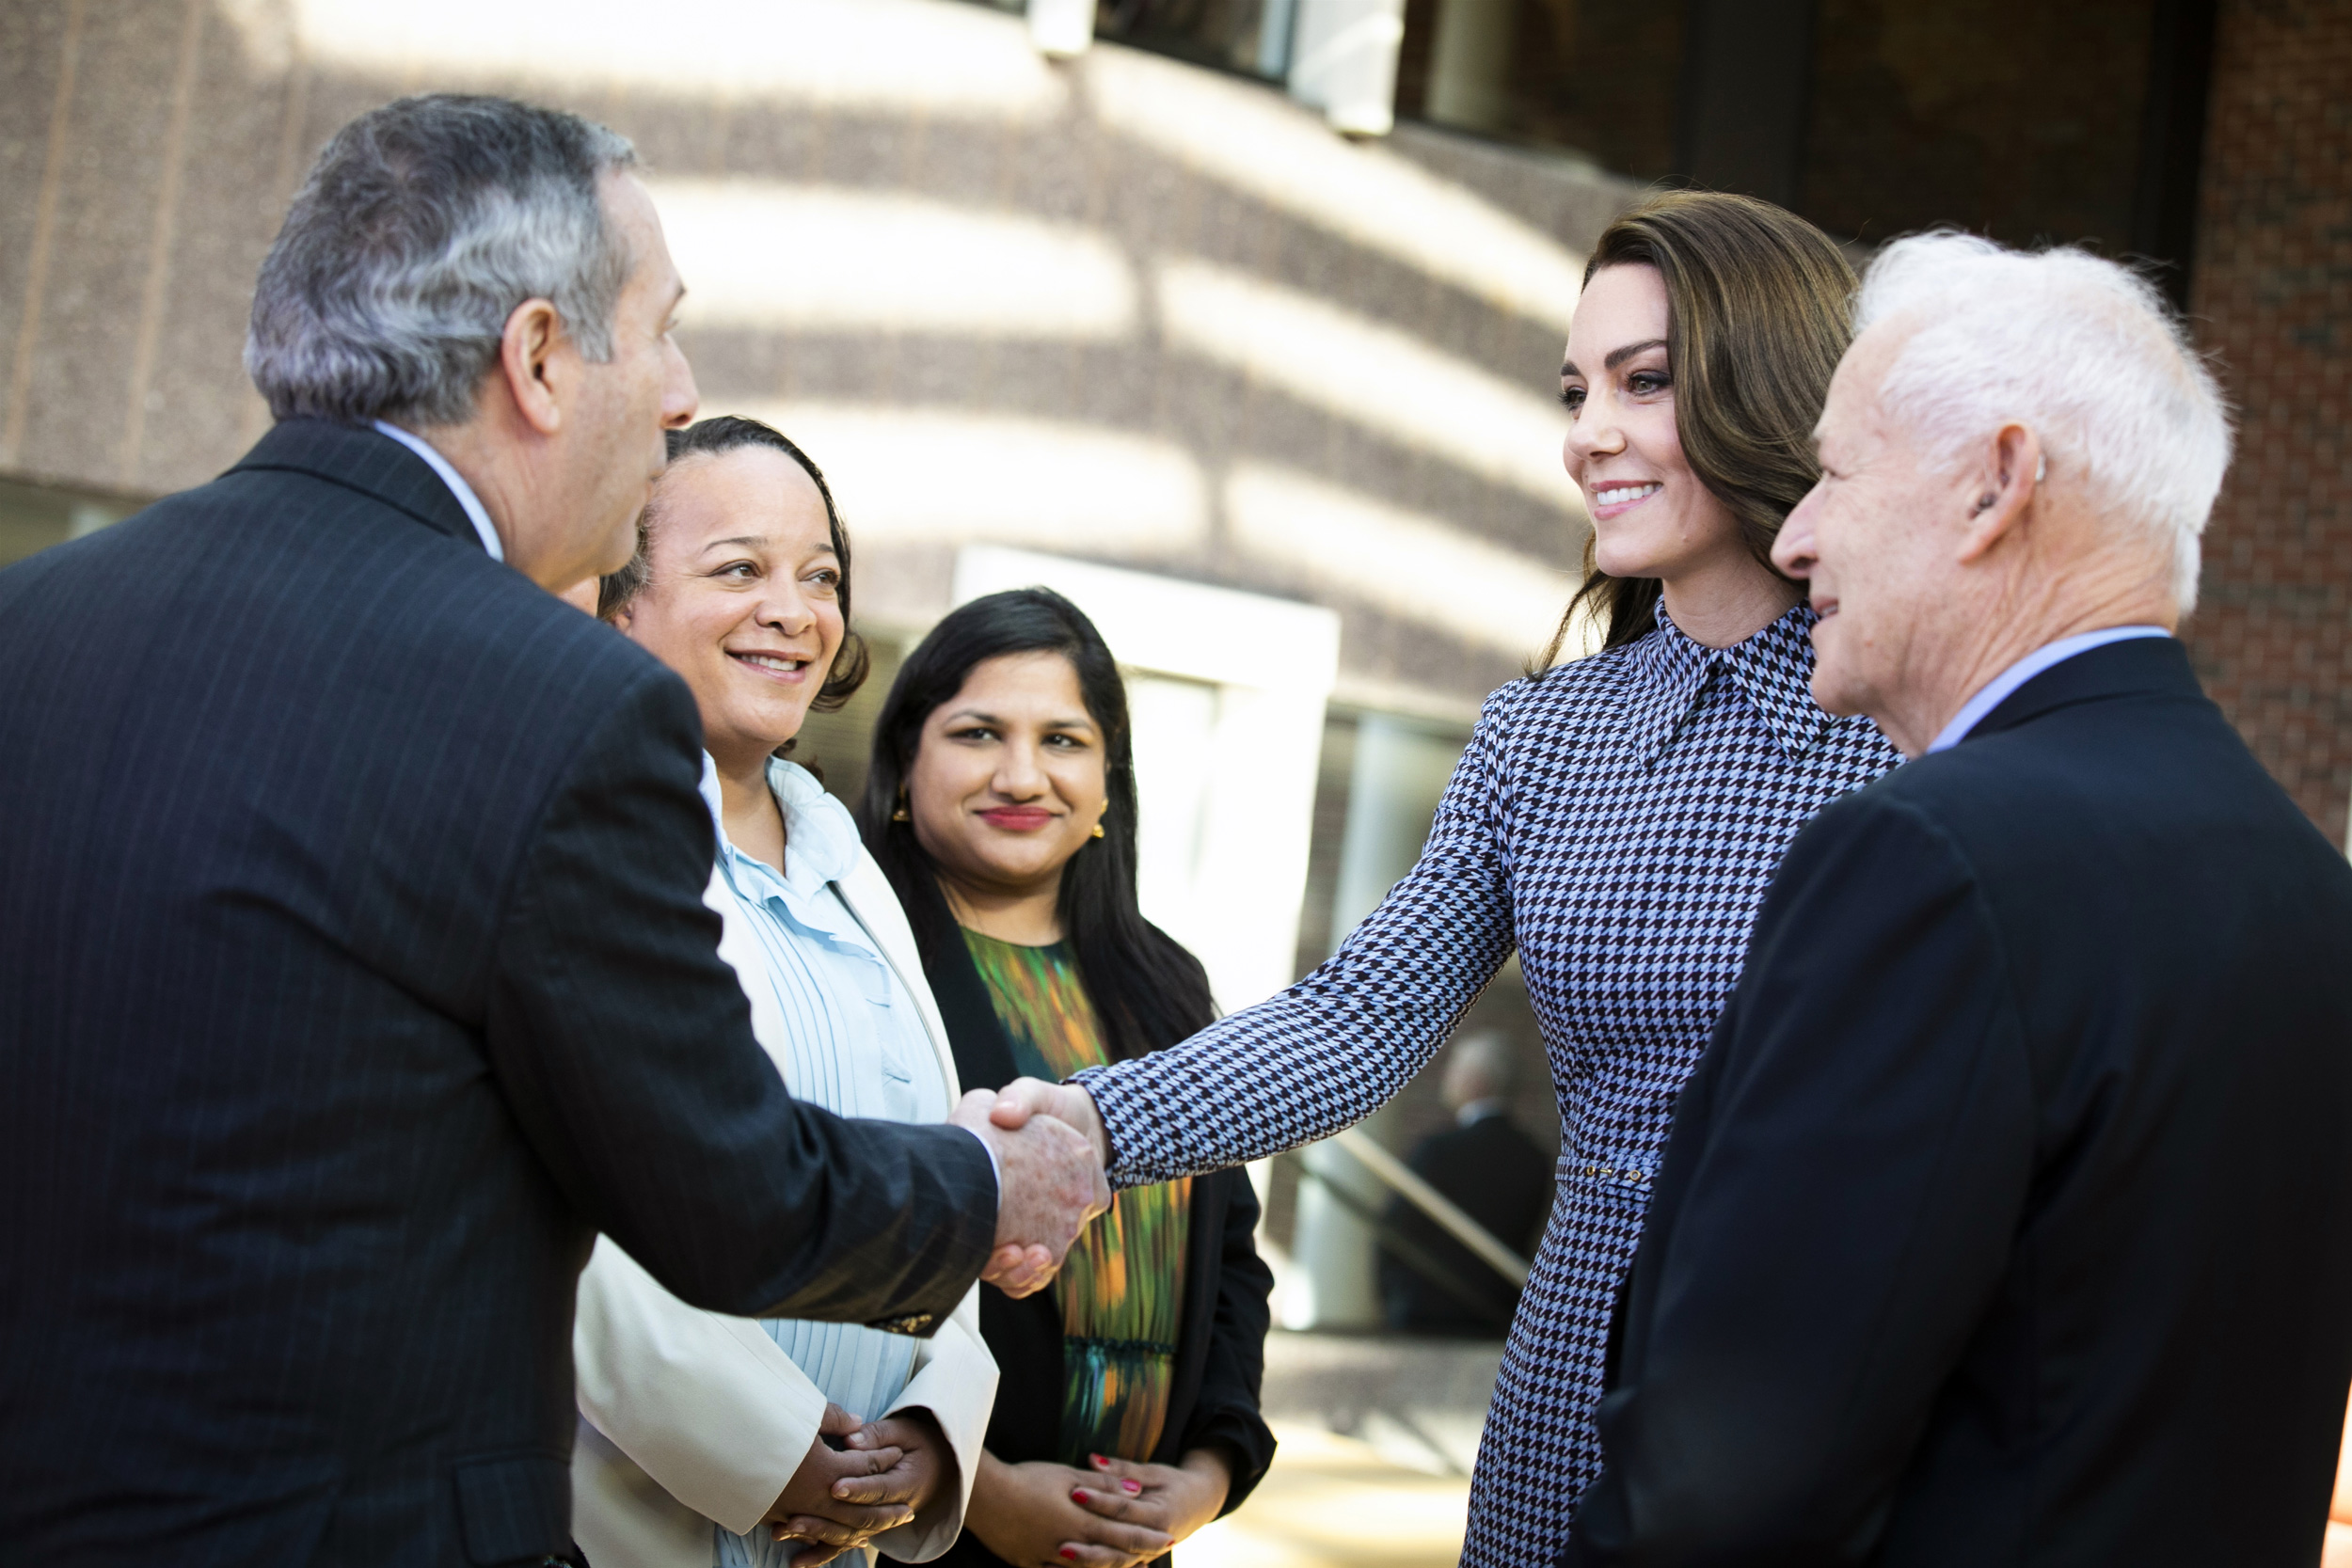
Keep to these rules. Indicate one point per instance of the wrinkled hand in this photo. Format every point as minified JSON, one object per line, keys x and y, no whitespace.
{"x":840,"y":1499}
{"x":1175,"y":1500}
{"x":1051,"y":1186}
{"x":1024,"y":1097}
{"x":1029,"y":1516}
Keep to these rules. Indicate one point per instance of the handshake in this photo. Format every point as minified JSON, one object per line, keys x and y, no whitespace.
{"x":1051,"y":1149}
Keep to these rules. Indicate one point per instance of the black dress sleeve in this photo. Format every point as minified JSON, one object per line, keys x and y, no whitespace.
{"x":1226,"y":1413}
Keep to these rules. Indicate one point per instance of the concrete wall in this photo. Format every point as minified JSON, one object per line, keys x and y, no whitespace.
{"x":2273,"y":638}
{"x":1126,"y":309}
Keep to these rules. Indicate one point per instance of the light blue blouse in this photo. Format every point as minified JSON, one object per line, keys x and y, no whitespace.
{"x":854,"y":1044}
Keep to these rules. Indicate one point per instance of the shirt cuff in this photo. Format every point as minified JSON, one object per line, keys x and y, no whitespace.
{"x":994,"y":1169}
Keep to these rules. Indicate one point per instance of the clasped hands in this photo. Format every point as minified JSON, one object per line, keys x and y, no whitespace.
{"x":882,"y":1474}
{"x":1050,"y":1148}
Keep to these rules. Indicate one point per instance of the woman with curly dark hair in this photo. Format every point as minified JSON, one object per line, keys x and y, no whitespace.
{"x":713,"y":1442}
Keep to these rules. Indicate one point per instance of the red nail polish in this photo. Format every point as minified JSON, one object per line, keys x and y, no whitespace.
{"x":1078,"y":1496}
{"x":1132,"y":1485}
{"x":1068,"y":1555}
{"x":1099,"y":1460}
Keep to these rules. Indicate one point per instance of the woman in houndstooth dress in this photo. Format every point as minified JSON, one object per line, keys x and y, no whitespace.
{"x":1614,"y":818}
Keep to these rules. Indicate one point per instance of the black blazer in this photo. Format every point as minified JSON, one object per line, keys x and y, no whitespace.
{"x":1220,"y":1346}
{"x":1496,"y":1174}
{"x":354,"y":973}
{"x":2008,"y":1218}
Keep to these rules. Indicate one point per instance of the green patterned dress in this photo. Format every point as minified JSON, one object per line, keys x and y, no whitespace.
{"x":1121,"y":1289}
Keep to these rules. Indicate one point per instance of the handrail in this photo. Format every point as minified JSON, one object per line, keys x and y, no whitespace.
{"x":1443,"y":1210}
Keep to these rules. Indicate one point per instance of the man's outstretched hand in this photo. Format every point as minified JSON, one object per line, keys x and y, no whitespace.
{"x":1024,"y":1097}
{"x":1051,"y":1183}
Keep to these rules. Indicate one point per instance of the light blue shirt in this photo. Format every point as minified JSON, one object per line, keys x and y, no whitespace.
{"x":456,"y":483}
{"x":1996,"y":690}
{"x":854,"y":1044}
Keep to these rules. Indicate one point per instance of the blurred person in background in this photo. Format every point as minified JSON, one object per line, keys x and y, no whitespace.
{"x":1494,"y":1173}
{"x":356,"y":970}
{"x":2007,"y":1218}
{"x":1002,"y":804}
{"x":1614,"y":818}
{"x":703,"y":1440}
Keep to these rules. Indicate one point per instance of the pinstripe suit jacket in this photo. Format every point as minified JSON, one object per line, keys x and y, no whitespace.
{"x":354,"y":973}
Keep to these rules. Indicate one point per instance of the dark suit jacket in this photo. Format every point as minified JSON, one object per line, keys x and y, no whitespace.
{"x":1220,"y":1345}
{"x":1498,"y":1176}
{"x":2008,"y":1218}
{"x":354,"y":972}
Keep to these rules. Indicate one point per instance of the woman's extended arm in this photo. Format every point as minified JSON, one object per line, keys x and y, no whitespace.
{"x":1340,"y":1043}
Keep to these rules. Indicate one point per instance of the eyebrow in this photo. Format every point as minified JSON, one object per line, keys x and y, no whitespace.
{"x":1617,"y":356}
{"x":757,"y":542}
{"x":977,"y":717}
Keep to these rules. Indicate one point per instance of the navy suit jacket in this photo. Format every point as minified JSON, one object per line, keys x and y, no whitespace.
{"x":354,"y":973}
{"x":2008,"y":1218}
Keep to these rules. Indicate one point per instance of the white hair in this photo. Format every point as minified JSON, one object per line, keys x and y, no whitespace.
{"x":2084,"y":352}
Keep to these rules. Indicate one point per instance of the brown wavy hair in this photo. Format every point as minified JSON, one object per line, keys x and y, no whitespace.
{"x":1759,"y":308}
{"x":709,"y":438}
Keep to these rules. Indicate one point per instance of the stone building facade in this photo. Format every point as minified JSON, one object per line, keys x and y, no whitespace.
{"x":2273,"y":298}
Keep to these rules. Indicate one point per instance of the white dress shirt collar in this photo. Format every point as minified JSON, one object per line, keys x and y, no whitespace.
{"x":1996,"y":690}
{"x":456,"y":483}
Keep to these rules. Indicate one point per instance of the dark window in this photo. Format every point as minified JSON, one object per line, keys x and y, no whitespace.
{"x":2032,"y":122}
{"x":1594,"y":77}
{"x":1248,"y":36}
{"x":2017,"y":118}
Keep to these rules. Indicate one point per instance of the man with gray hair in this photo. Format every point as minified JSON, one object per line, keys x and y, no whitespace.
{"x":2007,"y":1218}
{"x":356,"y":967}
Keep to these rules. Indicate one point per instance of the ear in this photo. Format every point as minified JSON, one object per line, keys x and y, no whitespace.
{"x":2005,"y":485}
{"x":526,"y":349}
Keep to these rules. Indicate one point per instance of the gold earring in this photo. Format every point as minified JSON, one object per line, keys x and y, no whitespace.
{"x":902,"y":814}
{"x":1098,"y":829}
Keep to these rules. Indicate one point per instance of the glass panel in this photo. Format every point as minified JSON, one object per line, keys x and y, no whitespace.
{"x":2011,"y":117}
{"x":1173,"y":723}
{"x":1251,"y":36}
{"x":35,"y":516}
{"x":1597,"y":77}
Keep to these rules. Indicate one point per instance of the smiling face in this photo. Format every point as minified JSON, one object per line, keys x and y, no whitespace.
{"x":1008,"y":779}
{"x":742,"y":596}
{"x":1877,"y":539}
{"x":1651,"y":516}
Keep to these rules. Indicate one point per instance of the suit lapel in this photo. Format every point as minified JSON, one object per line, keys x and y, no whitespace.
{"x":362,"y":460}
{"x":2135,"y":667}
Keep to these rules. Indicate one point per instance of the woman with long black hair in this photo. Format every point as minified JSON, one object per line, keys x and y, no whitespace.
{"x":1001,"y":805}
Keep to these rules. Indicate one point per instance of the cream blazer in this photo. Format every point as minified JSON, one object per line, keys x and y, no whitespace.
{"x":688,"y":1417}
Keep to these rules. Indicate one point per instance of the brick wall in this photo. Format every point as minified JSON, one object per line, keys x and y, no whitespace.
{"x":2273,"y":292}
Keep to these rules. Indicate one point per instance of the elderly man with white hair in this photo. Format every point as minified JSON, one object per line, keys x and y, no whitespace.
{"x":2007,"y":1218}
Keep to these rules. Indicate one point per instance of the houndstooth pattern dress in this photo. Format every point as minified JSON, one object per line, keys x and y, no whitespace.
{"x":1616,"y":821}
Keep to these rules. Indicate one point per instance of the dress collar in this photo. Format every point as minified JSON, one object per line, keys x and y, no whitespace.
{"x":821,"y":839}
{"x":1774,"y":670}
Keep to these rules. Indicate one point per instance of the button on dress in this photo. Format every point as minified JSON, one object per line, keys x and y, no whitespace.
{"x":1615,"y":820}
